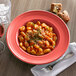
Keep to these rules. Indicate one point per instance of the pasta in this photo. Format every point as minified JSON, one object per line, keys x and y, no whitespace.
{"x":37,"y":38}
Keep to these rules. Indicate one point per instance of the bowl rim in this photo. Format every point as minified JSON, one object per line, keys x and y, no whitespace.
{"x":42,"y":55}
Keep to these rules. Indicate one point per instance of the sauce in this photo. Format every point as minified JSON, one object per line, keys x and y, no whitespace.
{"x":1,"y":30}
{"x":37,"y":38}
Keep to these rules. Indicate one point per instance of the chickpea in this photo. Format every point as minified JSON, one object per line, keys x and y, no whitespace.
{"x":30,"y":24}
{"x":47,"y":50}
{"x":46,"y":37}
{"x":32,"y":42}
{"x":54,"y":34}
{"x":22,"y":28}
{"x":35,"y":26}
{"x":21,"y":39}
{"x":47,"y":43}
{"x":43,"y":46}
{"x":47,"y":27}
{"x":55,"y":38}
{"x":50,"y":29}
{"x":21,"y":44}
{"x":47,"y":33}
{"x":50,"y":34}
{"x":23,"y":48}
{"x":50,"y":39}
{"x":36,"y":46}
{"x":29,"y":31}
{"x":51,"y":47}
{"x":38,"y":22}
{"x":34,"y":31}
{"x":40,"y":27}
{"x":29,"y":28}
{"x":29,"y":49}
{"x":26,"y":37}
{"x":40,"y":42}
{"x":26,"y":44}
{"x":33,"y":52}
{"x":22,"y":33}
{"x":41,"y":36}
{"x":40,"y":52}
{"x":43,"y":25}
{"x":53,"y":44}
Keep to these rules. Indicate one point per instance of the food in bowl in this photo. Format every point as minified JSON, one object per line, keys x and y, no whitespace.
{"x":37,"y":38}
{"x":59,"y":27}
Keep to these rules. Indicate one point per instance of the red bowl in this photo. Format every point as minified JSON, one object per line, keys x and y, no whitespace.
{"x":60,"y":29}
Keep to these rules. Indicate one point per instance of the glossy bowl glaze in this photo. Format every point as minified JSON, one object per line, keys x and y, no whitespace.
{"x":50,"y":19}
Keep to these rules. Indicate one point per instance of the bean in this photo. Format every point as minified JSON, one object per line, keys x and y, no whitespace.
{"x":33,"y":52}
{"x":29,"y":49}
{"x":38,"y":22}
{"x":22,"y":28}
{"x":22,"y":33}
{"x":21,"y":39}
{"x":26,"y":44}
{"x":36,"y":46}
{"x":30,"y":24}
{"x":47,"y":50}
